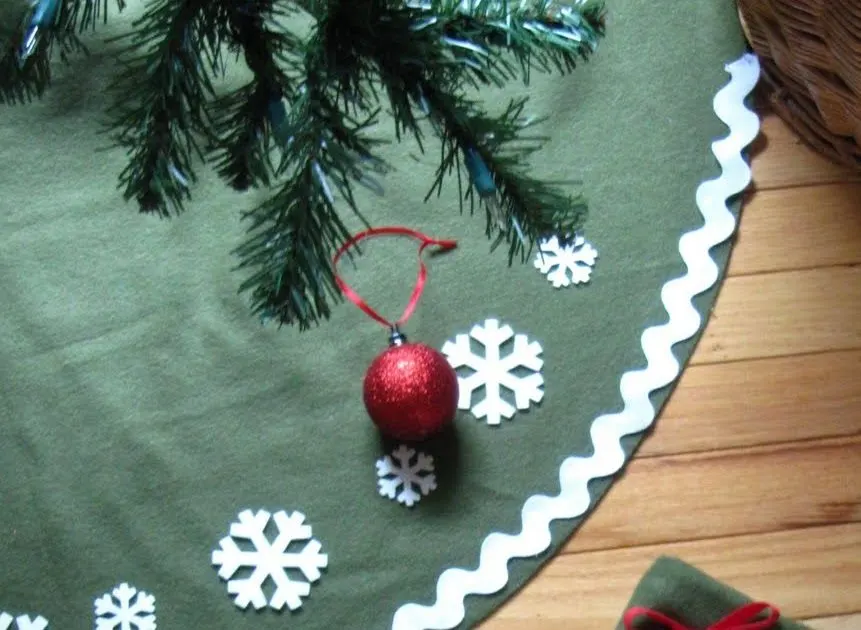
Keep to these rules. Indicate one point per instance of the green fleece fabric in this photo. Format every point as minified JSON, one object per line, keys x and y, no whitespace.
{"x":686,"y":594}
{"x":143,"y":407}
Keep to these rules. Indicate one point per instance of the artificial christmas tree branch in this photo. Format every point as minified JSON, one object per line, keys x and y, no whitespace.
{"x":51,"y":26}
{"x":241,"y":148}
{"x":160,"y":108}
{"x":519,"y":206}
{"x":543,"y":34}
{"x":295,"y":232}
{"x":314,"y":99}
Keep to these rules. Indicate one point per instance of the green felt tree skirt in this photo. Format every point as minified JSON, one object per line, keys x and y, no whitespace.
{"x":143,"y":408}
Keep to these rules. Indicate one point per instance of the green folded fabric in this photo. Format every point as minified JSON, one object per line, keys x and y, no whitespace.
{"x":689,"y":596}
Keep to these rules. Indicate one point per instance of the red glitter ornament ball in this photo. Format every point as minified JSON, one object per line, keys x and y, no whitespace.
{"x":411,"y":392}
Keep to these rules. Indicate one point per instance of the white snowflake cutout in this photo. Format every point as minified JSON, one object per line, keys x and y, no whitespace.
{"x":269,"y":560}
{"x":125,"y":608}
{"x":22,"y":622}
{"x":414,"y":479}
{"x":495,"y":372}
{"x":568,"y":264}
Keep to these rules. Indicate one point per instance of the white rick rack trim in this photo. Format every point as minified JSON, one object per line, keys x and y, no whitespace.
{"x":662,"y":368}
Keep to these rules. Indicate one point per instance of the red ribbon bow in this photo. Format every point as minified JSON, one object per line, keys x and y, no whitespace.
{"x":747,"y":617}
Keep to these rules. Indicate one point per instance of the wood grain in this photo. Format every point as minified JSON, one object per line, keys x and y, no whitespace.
{"x":801,"y":228}
{"x":847,"y":622}
{"x":781,"y":160}
{"x":808,"y":573}
{"x":766,"y":401}
{"x":727,"y":493}
{"x":784,"y":314}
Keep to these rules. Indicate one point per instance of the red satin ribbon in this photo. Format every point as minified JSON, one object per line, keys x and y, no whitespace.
{"x":745,"y":618}
{"x":420,"y":281}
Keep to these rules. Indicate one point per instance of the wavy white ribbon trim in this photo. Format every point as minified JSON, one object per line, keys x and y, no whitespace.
{"x":662,"y":368}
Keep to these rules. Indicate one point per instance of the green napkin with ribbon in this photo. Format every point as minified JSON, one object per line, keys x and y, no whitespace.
{"x":674,"y":595}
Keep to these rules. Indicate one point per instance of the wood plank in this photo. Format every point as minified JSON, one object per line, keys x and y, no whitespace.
{"x":728,"y":493}
{"x":844,"y":622}
{"x":784,"y":314}
{"x":798,"y":229}
{"x":808,"y":573}
{"x":782,"y":399}
{"x":780,"y":159}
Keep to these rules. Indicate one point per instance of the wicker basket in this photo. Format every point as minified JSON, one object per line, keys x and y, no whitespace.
{"x":810,"y":51}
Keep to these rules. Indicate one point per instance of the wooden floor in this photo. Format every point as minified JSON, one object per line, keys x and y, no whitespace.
{"x":753,"y":473}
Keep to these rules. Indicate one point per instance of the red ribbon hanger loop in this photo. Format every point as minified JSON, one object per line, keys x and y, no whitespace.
{"x":356,"y":299}
{"x":748,"y":617}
